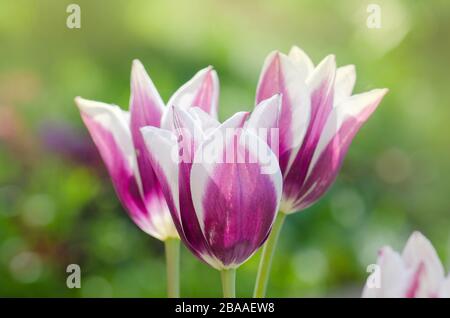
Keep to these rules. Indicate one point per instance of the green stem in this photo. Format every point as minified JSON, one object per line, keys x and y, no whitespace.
{"x":172,"y":246}
{"x":228,"y":283}
{"x":267,"y":256}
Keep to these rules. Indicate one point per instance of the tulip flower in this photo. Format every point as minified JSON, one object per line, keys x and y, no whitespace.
{"x":222,"y":199}
{"x":318,"y":119}
{"x":415,"y":273}
{"x":117,"y":136}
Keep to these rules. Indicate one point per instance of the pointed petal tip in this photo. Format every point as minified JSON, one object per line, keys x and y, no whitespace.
{"x":295,"y":49}
{"x":330,"y":60}
{"x":237,"y":120}
{"x":350,"y":68}
{"x":206,"y":71}
{"x":326,"y":67}
{"x":415,"y":239}
{"x":274,"y":55}
{"x":83,"y":103}
{"x":275,"y":97}
{"x":92,"y":108}
{"x":327,"y":63}
{"x":136,"y":69}
{"x":79,"y":101}
{"x":210,"y":72}
{"x":139,"y":75}
{"x":379,"y":93}
{"x":417,"y":235}
{"x":243,"y":115}
{"x":136,"y":63}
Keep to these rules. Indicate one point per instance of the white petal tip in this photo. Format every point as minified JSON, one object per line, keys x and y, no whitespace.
{"x":78,"y":99}
{"x":274,"y":54}
{"x":380,"y":92}
{"x":84,"y":103}
{"x":136,"y":68}
{"x":418,"y":235}
{"x":136,"y":63}
{"x":330,"y":60}
{"x":138,"y":73}
{"x":276,"y":97}
{"x":295,"y":50}
{"x":209,"y":71}
{"x":374,"y":94}
{"x":348,"y":69}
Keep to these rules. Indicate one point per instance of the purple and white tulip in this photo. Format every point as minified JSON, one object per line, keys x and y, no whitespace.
{"x":318,"y":120}
{"x":117,"y":136}
{"x":415,"y":273}
{"x":222,"y":207}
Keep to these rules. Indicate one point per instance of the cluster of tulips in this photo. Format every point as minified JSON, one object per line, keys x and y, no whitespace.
{"x":181,"y":175}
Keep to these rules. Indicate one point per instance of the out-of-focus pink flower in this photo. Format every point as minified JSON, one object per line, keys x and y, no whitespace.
{"x":222,"y":199}
{"x":319,"y":118}
{"x":66,"y":141}
{"x":415,"y":273}
{"x":117,"y":136}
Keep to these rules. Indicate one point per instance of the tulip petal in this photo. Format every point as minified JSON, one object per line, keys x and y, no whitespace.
{"x":201,"y":91}
{"x":394,"y":276}
{"x":146,"y":108}
{"x":416,"y":273}
{"x":188,"y":131}
{"x":419,"y":253}
{"x":301,"y":60}
{"x":266,"y":114}
{"x":189,"y":136}
{"x":235,"y":200}
{"x":339,"y":131}
{"x":344,"y":83}
{"x":265,"y":119}
{"x":280,"y":76}
{"x":321,"y":83}
{"x":170,"y":156}
{"x":109,"y":128}
{"x":444,"y":290}
{"x":419,"y":248}
{"x":356,"y":110}
{"x":204,"y":120}
{"x":163,"y":155}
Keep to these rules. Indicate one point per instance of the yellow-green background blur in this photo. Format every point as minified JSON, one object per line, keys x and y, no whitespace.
{"x":58,"y":207}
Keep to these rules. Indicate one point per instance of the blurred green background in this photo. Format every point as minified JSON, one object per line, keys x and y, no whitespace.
{"x":58,"y":207}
